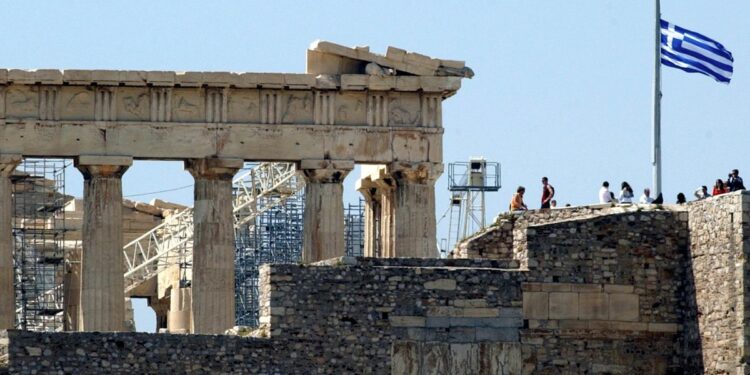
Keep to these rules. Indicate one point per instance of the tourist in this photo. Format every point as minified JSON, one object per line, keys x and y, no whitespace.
{"x":604,"y":195}
{"x":516,"y":203}
{"x":719,"y":188}
{"x":553,"y":203}
{"x":734,"y":182}
{"x":659,"y":199}
{"x":547,"y":193}
{"x":626,"y":193}
{"x":681,"y":198}
{"x":702,"y":193}
{"x":646,"y":197}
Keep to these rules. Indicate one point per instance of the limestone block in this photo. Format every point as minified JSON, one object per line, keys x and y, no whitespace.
{"x":476,"y":312}
{"x":160,"y":78}
{"x":436,"y":358}
{"x":455,"y":64}
{"x":573,"y":324}
{"x":395,"y":54}
{"x":77,"y":77}
{"x":509,"y":334}
{"x":219,"y":79}
{"x":106,"y":77}
{"x":464,"y":358}
{"x":500,"y":358}
{"x":354,"y":82}
{"x":593,"y":306}
{"x":556,"y":287}
{"x":22,"y":77}
{"x":470,"y":302}
{"x":441,"y":284}
{"x":613,"y":288}
{"x":586,"y":288}
{"x":439,"y":84}
{"x":535,"y":305}
{"x":270,"y":80}
{"x":3,"y":76}
{"x":299,"y":81}
{"x":663,"y":327}
{"x":381,"y":83}
{"x":563,"y":305}
{"x":132,"y":77}
{"x":405,"y":358}
{"x":407,"y":83}
{"x":407,"y":321}
{"x":623,"y":307}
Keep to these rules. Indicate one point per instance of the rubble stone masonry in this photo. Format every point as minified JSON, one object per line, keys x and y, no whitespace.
{"x":622,"y":290}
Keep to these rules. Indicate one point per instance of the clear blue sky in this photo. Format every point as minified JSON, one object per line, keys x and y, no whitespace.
{"x":562,"y":88}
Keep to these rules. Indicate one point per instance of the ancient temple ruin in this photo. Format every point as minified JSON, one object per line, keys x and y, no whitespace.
{"x":601,"y":289}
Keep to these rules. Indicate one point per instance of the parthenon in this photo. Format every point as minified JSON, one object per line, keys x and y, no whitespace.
{"x":350,"y":107}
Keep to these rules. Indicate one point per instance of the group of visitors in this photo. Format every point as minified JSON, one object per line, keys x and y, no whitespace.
{"x":733,"y":183}
{"x":548,"y":192}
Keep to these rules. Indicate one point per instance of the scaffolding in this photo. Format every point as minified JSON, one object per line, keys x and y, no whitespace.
{"x":39,"y":235}
{"x":275,"y":237}
{"x":354,"y":229}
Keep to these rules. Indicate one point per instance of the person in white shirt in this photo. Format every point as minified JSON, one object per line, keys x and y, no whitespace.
{"x":626,"y":194}
{"x":646,"y":197}
{"x":604,"y":196}
{"x":702,"y":193}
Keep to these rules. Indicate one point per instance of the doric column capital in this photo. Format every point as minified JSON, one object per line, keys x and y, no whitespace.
{"x":103,"y":166}
{"x":8,"y":163}
{"x":414,"y":173}
{"x":325,"y":171}
{"x":213,"y":168}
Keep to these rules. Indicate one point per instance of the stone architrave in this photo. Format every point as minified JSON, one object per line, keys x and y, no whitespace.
{"x":213,"y":245}
{"x":7,"y":295}
{"x":414,"y":209}
{"x":102,"y":285}
{"x":323,"y":236}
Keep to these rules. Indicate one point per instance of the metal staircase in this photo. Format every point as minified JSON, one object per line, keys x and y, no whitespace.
{"x":171,"y":243}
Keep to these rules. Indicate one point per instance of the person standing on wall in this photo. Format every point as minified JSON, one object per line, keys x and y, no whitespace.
{"x":548,"y":192}
{"x":734,"y":182}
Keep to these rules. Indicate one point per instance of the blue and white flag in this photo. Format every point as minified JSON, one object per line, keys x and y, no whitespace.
{"x":694,"y":53}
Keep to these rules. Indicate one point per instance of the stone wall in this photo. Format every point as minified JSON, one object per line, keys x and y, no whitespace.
{"x":350,"y":316}
{"x":717,"y":326}
{"x":603,"y":278}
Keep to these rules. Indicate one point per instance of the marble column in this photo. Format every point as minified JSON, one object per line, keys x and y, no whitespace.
{"x":71,"y":288}
{"x":213,"y":245}
{"x":414,"y":209}
{"x":323,"y":235}
{"x":102,"y":290}
{"x":8,"y":163}
{"x":371,"y":196}
{"x":386,"y":187}
{"x":161,"y":309}
{"x":178,"y":320}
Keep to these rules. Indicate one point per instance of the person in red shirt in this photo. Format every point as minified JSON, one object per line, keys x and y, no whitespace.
{"x":719,"y":188}
{"x":548,"y":192}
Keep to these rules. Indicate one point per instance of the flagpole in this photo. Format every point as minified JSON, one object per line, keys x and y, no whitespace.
{"x":656,"y":157}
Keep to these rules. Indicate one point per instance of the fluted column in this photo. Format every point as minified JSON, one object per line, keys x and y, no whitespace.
{"x":414,"y":209}
{"x":213,"y":245}
{"x":102,"y":291}
{"x":323,"y":236}
{"x":179,"y":317}
{"x":7,"y":294}
{"x":369,"y":192}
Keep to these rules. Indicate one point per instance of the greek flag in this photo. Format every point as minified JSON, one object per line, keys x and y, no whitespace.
{"x":694,"y":53}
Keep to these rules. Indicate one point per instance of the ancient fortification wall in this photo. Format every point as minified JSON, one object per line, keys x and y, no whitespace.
{"x":619,"y":290}
{"x":717,"y":324}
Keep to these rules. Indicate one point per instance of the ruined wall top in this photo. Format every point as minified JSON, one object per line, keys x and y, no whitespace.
{"x":329,"y":67}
